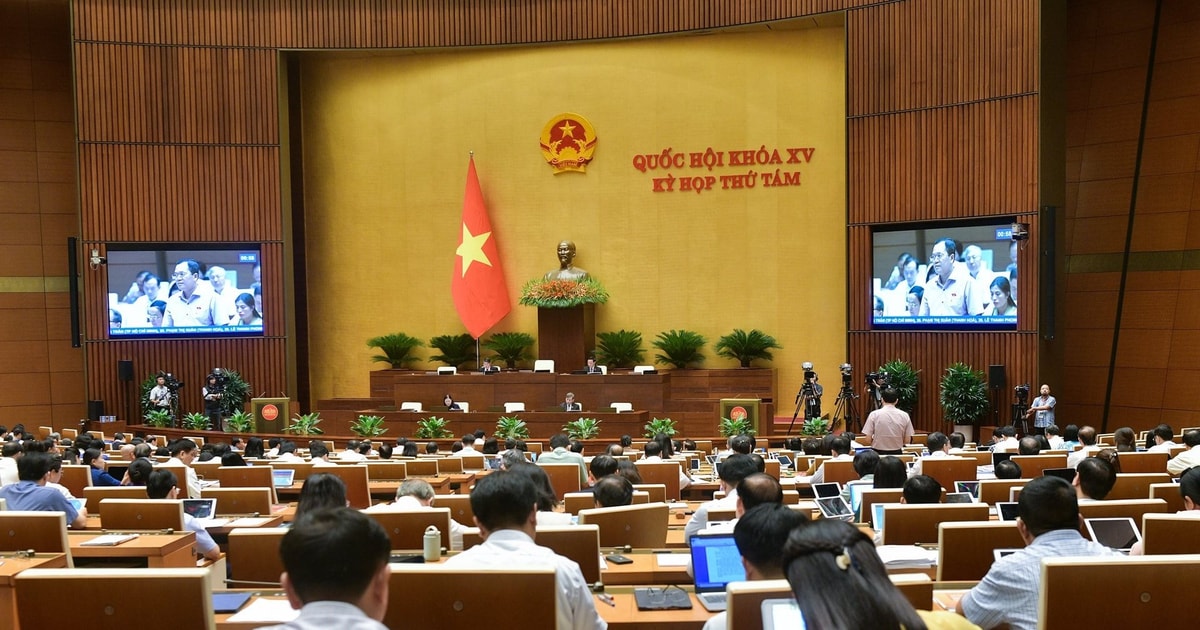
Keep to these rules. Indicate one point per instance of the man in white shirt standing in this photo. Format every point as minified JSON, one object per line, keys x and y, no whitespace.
{"x":889,"y":427}
{"x":505,"y":511}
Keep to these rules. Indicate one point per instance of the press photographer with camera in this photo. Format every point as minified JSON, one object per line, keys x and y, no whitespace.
{"x":889,"y":427}
{"x":164,"y":393}
{"x":213,"y":392}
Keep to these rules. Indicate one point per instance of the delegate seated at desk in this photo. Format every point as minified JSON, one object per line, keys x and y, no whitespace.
{"x":448,"y":402}
{"x":569,"y":404}
{"x":31,"y":493}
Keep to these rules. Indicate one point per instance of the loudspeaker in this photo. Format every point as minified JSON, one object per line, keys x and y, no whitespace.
{"x":95,"y":410}
{"x":125,"y":370}
{"x":996,"y":376}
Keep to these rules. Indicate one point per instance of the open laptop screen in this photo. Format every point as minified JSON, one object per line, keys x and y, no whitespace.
{"x":282,"y":477}
{"x":200,"y":508}
{"x":715,"y":562}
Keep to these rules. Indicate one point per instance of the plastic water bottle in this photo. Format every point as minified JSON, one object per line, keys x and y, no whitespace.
{"x":432,"y":543}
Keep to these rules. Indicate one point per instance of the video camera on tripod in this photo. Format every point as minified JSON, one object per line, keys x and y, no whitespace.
{"x":1022,"y":393}
{"x":170,"y":382}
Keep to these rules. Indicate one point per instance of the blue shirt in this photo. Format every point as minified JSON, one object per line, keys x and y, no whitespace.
{"x":1009,"y":592}
{"x":102,"y":478}
{"x":28,"y":495}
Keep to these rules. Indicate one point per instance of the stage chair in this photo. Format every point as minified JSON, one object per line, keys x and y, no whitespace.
{"x":1142,"y":462}
{"x":96,"y":494}
{"x":965,"y":548}
{"x":423,"y":467}
{"x":1133,"y":508}
{"x":656,"y":491}
{"x":240,"y":501}
{"x":1170,"y":534}
{"x":406,"y":528}
{"x":43,"y":532}
{"x":303,"y":469}
{"x":446,"y":369}
{"x":253,"y":557}
{"x":247,"y":477}
{"x":410,"y":406}
{"x":76,"y":478}
{"x":543,"y":365}
{"x":917,"y":524}
{"x":603,"y":369}
{"x":115,"y":598}
{"x":618,"y":407}
{"x":459,"y":506}
{"x":563,"y":477}
{"x":355,"y":478}
{"x":871,"y":496}
{"x":385,"y":470}
{"x":665,"y":473}
{"x":513,"y":407}
{"x":640,"y":526}
{"x":437,"y":597}
{"x":745,"y":600}
{"x":947,"y":470}
{"x":1033,"y":465}
{"x":993,"y":491}
{"x":1120,"y":592}
{"x":1134,"y":485}
{"x":464,"y":405}
{"x":644,"y":369}
{"x":141,"y":514}
{"x":1168,"y":492}
{"x":839,"y":471}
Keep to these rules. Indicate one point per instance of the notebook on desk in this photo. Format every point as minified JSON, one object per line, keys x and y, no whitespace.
{"x":715,"y":563}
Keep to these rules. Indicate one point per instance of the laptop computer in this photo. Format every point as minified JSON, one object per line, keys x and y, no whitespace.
{"x":1000,"y":457}
{"x":200,"y":508}
{"x":1000,"y":553}
{"x":1119,"y":533}
{"x":830,"y":489}
{"x":784,"y":460}
{"x":959,"y":497}
{"x":282,"y":477}
{"x":856,"y":494}
{"x":1065,"y":473}
{"x":835,"y":507}
{"x":1007,"y":511}
{"x":967,"y":486}
{"x":782,"y":614}
{"x":715,"y":563}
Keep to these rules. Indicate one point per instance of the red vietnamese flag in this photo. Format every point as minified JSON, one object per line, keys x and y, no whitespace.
{"x":480,"y":293}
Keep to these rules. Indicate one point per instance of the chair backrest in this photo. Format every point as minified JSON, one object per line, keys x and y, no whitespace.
{"x":141,"y":514}
{"x":76,"y":478}
{"x":840,"y":471}
{"x":96,"y":494}
{"x":1144,"y":462}
{"x":543,"y":365}
{"x":665,"y":473}
{"x":247,"y":477}
{"x":965,"y":548}
{"x":410,"y":406}
{"x":640,"y":526}
{"x":355,"y":478}
{"x":656,"y":491}
{"x":447,"y":369}
{"x":423,"y":467}
{"x":643,"y":369}
{"x":116,"y":598}
{"x":1170,"y":533}
{"x":982,"y":458}
{"x":513,"y":407}
{"x":720,"y":515}
{"x":303,"y":469}
{"x":1136,"y":485}
{"x":406,"y":528}
{"x":70,"y":433}
{"x":773,"y":468}
{"x":471,"y":462}
{"x":1133,"y":508}
{"x":1120,"y":592}
{"x":871,"y":496}
{"x":449,"y":598}
{"x":447,"y":465}
{"x":744,"y":602}
{"x":44,"y":431}
{"x":916,"y":524}
{"x":239,"y":501}
{"x":564,"y":478}
{"x":1168,"y":492}
{"x":993,"y":491}
{"x":459,"y":505}
{"x":580,"y":543}
{"x":1033,"y":465}
{"x":253,"y":556}
{"x":384,"y":471}
{"x":575,"y":501}
{"x":622,"y":406}
{"x":947,"y":470}
{"x":43,"y":532}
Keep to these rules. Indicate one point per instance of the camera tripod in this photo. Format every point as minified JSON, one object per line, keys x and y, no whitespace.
{"x":846,"y":410}
{"x":808,"y":399}
{"x":1018,"y":417}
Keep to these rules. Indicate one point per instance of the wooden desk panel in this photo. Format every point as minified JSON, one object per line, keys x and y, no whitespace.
{"x":159,"y":551}
{"x":643,"y":570}
{"x":536,"y":390}
{"x":9,"y":569}
{"x":542,"y":424}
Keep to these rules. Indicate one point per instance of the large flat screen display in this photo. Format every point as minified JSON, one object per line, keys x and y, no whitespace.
{"x":948,"y":275}
{"x":184,"y":290}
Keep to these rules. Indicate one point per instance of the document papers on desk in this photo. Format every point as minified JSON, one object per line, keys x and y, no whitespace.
{"x":672,"y":559}
{"x":906,"y":556}
{"x":266,"y":610}
{"x":108,"y":540}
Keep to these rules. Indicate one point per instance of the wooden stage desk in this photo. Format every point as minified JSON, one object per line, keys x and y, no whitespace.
{"x":541,"y":423}
{"x":536,"y":390}
{"x":158,"y":551}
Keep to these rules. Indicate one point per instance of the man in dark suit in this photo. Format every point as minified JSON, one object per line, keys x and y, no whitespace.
{"x":592,"y":368}
{"x":570,"y":405}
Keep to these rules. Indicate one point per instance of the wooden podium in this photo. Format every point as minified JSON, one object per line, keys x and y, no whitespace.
{"x":567,"y":335}
{"x":270,"y":414}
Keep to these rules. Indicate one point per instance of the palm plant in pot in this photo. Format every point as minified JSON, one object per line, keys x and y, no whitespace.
{"x":963,"y":394}
{"x":747,"y":347}
{"x":396,"y":348}
{"x":510,"y":347}
{"x":619,"y":349}
{"x":679,"y":348}
{"x":455,"y":349}
{"x":904,"y":379}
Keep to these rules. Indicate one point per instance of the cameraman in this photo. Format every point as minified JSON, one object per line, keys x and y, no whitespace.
{"x":213,"y":391}
{"x":889,"y":427}
{"x":160,"y":394}
{"x":1042,"y":410}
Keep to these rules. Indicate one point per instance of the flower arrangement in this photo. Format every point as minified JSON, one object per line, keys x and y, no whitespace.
{"x":563,"y":293}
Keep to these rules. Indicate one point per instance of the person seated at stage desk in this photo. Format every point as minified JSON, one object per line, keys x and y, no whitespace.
{"x":488,"y":367}
{"x":566,"y":271}
{"x":354,"y":596}
{"x":569,"y":404}
{"x":449,"y":403}
{"x":591,"y":367}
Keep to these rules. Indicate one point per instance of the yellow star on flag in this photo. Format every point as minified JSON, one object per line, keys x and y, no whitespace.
{"x":471,"y":249}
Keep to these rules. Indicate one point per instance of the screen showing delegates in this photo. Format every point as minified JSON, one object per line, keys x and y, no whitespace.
{"x":952,"y":275}
{"x":184,"y":291}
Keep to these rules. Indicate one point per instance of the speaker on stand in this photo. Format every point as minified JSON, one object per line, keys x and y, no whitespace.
{"x":125,"y":375}
{"x":997,"y":382}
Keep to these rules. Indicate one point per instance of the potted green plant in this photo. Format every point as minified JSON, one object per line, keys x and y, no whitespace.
{"x":239,"y":422}
{"x":433,"y":428}
{"x":619,"y":348}
{"x":679,"y":348}
{"x":815,"y":427}
{"x":659,"y":425}
{"x":582,"y":429}
{"x":963,"y":395}
{"x":736,"y":426}
{"x":454,"y":350}
{"x":510,"y":347}
{"x":305,"y":424}
{"x":195,"y":422}
{"x":511,"y":427}
{"x":158,"y":418}
{"x":747,"y":347}
{"x":904,"y":379}
{"x":396,"y":348}
{"x":368,"y":426}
